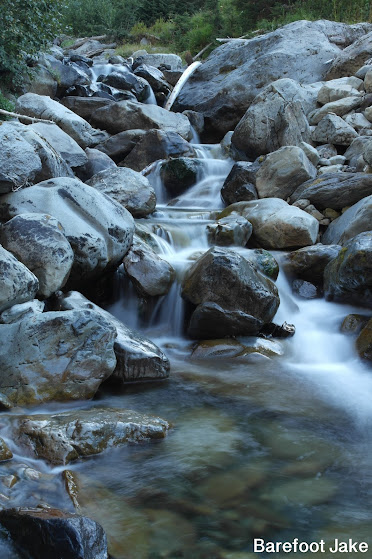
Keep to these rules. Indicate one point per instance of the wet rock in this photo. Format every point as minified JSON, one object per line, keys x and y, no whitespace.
{"x":276,"y":225}
{"x":353,"y":324}
{"x":276,"y":331}
{"x":178,"y":174}
{"x":335,"y":190}
{"x":304,"y":289}
{"x":85,"y":107}
{"x":307,"y":492}
{"x":275,"y":118}
{"x":240,"y":183}
{"x":282,"y":172}
{"x":364,"y":342}
{"x":308,"y":263}
{"x":229,"y":231}
{"x":349,"y":60}
{"x":348,"y":277}
{"x":151,"y":275}
{"x":40,"y":106}
{"x":97,"y":161}
{"x":353,"y":221}
{"x":120,"y":145}
{"x":333,"y":129}
{"x":171,"y":534}
{"x":127,"y":187}
{"x":264,"y":261}
{"x":5,"y":452}
{"x":45,"y":533}
{"x":138,"y":358}
{"x":61,"y":438}
{"x":55,"y":356}
{"x":230,"y":296}
{"x":225,"y":85}
{"x":98,"y":229}
{"x":128,"y":115}
{"x":156,"y":145}
{"x":196,"y":120}
{"x":18,"y":283}
{"x":39,"y":242}
{"x":214,"y":349}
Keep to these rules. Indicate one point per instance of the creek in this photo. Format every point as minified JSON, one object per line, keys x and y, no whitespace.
{"x":273,"y":443}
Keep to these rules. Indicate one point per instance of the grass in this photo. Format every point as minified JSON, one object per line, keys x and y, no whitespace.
{"x":127,"y":49}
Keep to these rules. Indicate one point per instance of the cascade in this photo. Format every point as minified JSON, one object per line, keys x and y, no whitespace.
{"x":272,"y":443}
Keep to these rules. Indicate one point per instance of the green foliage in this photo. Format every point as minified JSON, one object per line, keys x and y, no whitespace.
{"x":6,"y":105}
{"x":27,"y":25}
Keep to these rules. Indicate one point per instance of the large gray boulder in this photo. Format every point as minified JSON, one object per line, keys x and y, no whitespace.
{"x":27,"y":158}
{"x":355,"y":220}
{"x":334,"y":190}
{"x":128,"y":115}
{"x":225,"y":85}
{"x":55,"y":356}
{"x":275,"y":118}
{"x":68,"y":149}
{"x":120,"y":145}
{"x":348,"y":61}
{"x":282,"y":171}
{"x":85,"y":107}
{"x":39,"y":242}
{"x":348,"y":278}
{"x":124,"y":80}
{"x":18,"y":284}
{"x":231,"y":297}
{"x":151,"y":275}
{"x":49,"y":532}
{"x":98,"y":229}
{"x":155,"y":145}
{"x":131,"y":189}
{"x":63,"y":437}
{"x":41,"y":106}
{"x":97,"y":161}
{"x":138,"y":358}
{"x":276,"y":224}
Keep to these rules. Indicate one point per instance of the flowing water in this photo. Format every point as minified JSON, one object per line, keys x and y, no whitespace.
{"x":272,"y":441}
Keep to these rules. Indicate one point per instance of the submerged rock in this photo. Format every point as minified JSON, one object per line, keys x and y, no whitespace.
{"x":46,"y":532}
{"x":179,"y":173}
{"x":230,"y":295}
{"x":63,"y":437}
{"x":364,"y":342}
{"x":229,"y":231}
{"x":55,"y":356}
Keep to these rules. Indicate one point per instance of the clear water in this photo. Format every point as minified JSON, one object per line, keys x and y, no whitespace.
{"x":274,"y":446}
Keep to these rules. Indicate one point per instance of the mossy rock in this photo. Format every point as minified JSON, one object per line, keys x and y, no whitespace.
{"x":364,"y":342}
